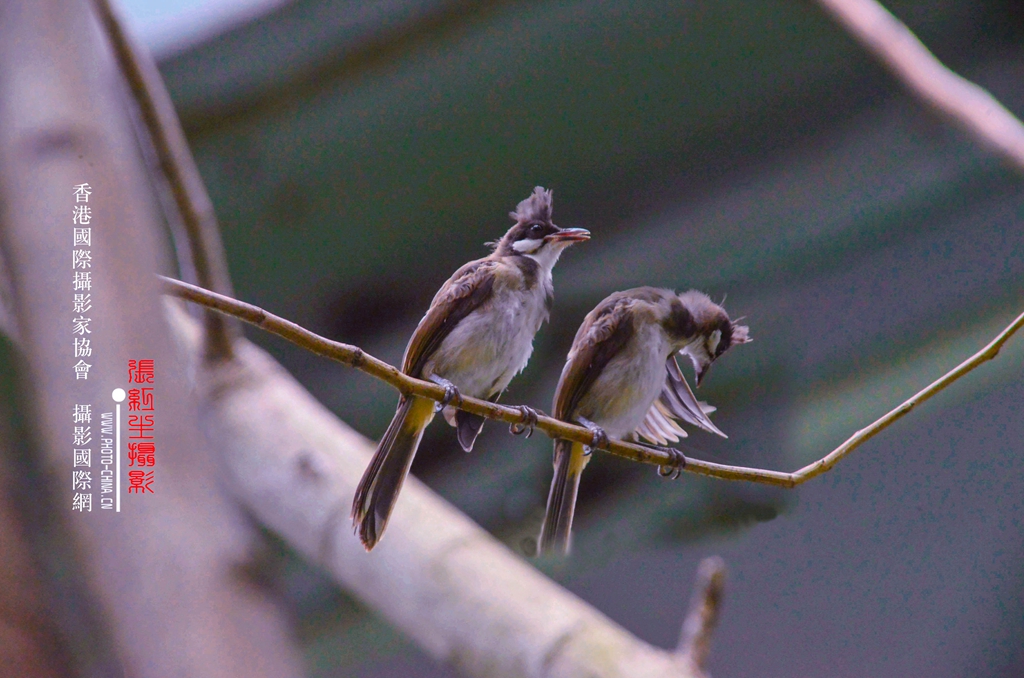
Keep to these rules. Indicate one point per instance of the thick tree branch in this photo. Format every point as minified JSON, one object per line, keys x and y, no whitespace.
{"x":179,"y":167}
{"x":357,"y":358}
{"x":967,"y":104}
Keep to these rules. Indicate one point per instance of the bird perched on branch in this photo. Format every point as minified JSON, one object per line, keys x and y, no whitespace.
{"x":476,"y":335}
{"x":621,"y":379}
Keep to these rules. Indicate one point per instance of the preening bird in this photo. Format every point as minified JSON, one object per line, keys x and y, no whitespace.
{"x":621,"y":379}
{"x":476,"y":335}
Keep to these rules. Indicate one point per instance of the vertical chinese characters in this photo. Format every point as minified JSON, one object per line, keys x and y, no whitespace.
{"x":81,"y":473}
{"x":81,"y":268}
{"x":81,"y":414}
{"x":141,"y":426}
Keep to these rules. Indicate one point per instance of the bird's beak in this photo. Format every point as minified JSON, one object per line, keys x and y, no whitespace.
{"x":570,"y":235}
{"x":701,"y":371}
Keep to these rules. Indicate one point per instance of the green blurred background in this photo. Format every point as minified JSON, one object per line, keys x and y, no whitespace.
{"x":358,"y":153}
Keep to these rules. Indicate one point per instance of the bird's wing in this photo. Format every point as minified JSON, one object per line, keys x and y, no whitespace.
{"x":659,"y":425}
{"x":676,"y":402}
{"x":463,"y":293}
{"x":604,"y":332}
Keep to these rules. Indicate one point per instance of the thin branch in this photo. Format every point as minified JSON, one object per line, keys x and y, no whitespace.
{"x":967,"y":104}
{"x":354,"y":356}
{"x":705,"y":608}
{"x":179,"y":167}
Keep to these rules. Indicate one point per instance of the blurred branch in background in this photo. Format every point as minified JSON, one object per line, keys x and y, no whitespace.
{"x":353,"y":356}
{"x":705,"y":608}
{"x":965,"y":103}
{"x":179,"y":168}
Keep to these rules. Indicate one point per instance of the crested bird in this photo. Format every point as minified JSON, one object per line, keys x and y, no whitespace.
{"x":621,"y":379}
{"x":476,"y":335}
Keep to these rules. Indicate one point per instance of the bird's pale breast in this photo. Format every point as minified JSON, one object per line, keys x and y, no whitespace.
{"x":620,"y":397}
{"x":493,"y":343}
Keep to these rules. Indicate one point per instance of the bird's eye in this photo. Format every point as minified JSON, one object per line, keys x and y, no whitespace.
{"x":536,"y":231}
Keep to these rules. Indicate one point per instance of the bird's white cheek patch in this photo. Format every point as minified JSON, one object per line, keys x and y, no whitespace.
{"x":716,"y":337}
{"x":526,"y":246}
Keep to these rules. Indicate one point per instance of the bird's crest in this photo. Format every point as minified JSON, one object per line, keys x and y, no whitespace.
{"x":535,"y":208}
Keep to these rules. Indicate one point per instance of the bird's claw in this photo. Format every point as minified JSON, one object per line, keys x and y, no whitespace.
{"x":527,"y":424}
{"x":672,"y":470}
{"x":599,"y":441}
{"x":451,"y":392}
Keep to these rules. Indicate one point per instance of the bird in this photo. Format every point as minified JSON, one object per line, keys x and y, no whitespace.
{"x":475,"y":337}
{"x":621,"y":379}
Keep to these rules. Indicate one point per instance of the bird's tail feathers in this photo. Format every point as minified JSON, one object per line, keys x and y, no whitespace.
{"x":383,"y":479}
{"x":555,"y":534}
